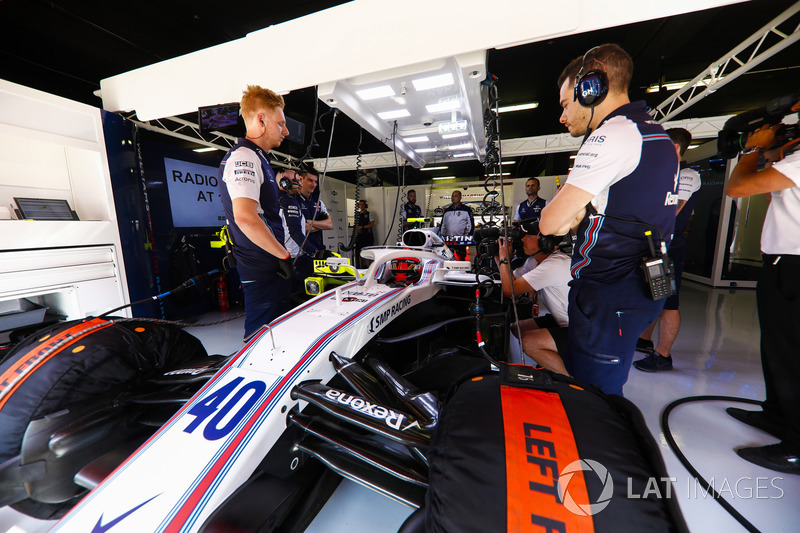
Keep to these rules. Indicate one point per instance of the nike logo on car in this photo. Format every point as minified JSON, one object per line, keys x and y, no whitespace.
{"x":100,"y":528}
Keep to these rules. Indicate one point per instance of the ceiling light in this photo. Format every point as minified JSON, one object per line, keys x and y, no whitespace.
{"x":675,"y":85}
{"x":417,"y":139}
{"x":462,"y":146}
{"x":518,"y":107}
{"x":693,"y":146}
{"x":508,"y":162}
{"x":206,"y":149}
{"x":444,"y":178}
{"x":397,"y":113}
{"x":432,"y":82}
{"x":381,"y":91}
{"x":501,"y":174}
{"x":435,"y":168}
{"x":425,"y":150}
{"x":573,"y":156}
{"x":450,"y":104}
{"x":452,"y":127}
{"x":454,"y":135}
{"x":464,"y":154}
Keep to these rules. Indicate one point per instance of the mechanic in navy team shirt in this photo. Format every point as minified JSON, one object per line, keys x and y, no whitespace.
{"x":300,"y":247}
{"x":624,"y":183}
{"x":249,"y":196}
{"x":314,"y":210}
{"x":410,"y":210}
{"x":533,"y":205}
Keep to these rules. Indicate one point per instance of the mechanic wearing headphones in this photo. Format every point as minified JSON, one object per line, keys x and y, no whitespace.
{"x":622,"y":185}
{"x":299,"y":245}
{"x":777,"y":297}
{"x":314,"y":210}
{"x":250,"y":198}
{"x":547,"y":272}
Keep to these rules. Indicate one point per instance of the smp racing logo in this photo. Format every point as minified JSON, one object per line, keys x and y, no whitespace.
{"x":379,"y":320}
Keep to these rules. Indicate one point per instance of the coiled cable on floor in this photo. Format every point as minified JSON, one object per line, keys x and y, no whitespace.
{"x":673,"y":445}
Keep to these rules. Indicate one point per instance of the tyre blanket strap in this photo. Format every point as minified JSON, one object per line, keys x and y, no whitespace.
{"x":535,"y":454}
{"x":46,"y":348}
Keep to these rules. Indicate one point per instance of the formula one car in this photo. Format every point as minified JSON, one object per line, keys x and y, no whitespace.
{"x":142,"y":431}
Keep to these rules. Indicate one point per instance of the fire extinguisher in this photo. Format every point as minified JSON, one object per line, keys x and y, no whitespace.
{"x":222,"y":293}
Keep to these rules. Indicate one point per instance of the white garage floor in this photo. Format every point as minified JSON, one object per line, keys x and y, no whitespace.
{"x":716,"y":353}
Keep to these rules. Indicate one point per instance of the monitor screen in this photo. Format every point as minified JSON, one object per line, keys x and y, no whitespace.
{"x":218,"y":117}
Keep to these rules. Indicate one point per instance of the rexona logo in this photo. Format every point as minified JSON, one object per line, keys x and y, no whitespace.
{"x":379,"y":320}
{"x":392,"y":419}
{"x":585,"y":465}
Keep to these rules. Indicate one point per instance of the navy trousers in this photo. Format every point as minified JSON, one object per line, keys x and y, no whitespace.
{"x":605,"y":319}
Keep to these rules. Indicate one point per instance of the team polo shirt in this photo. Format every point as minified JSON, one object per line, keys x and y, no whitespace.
{"x":526,"y":210}
{"x":308,"y":206}
{"x":550,"y":279}
{"x":630,"y":166}
{"x":294,"y":226}
{"x":245,"y":173}
{"x":781,"y":232}
{"x":689,"y":182}
{"x":411,"y":211}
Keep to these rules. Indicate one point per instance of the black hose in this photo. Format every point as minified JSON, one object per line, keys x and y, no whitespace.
{"x":685,"y":462}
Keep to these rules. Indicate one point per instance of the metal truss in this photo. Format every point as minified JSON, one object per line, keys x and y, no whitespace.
{"x":189,"y":131}
{"x":738,"y":61}
{"x":700,"y":128}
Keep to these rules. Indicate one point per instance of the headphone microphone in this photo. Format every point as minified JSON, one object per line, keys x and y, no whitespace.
{"x":591,"y":87}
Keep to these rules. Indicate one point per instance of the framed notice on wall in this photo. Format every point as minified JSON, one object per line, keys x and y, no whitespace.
{"x":193,"y":194}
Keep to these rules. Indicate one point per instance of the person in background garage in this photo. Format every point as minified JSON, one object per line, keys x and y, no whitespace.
{"x":623,"y":184}
{"x":250,"y":197}
{"x":777,"y":299}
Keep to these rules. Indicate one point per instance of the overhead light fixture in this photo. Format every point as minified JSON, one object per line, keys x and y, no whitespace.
{"x":457,"y":126}
{"x":464,"y":154}
{"x":693,"y":146}
{"x":425,"y":150}
{"x":448,"y":104}
{"x":435,"y":168}
{"x":433,"y":82}
{"x":573,"y":156}
{"x":462,"y":146}
{"x":454,"y":135}
{"x":501,"y":174}
{"x":675,"y":85}
{"x":205,"y":149}
{"x":508,"y":162}
{"x":518,"y":107}
{"x":382,"y":91}
{"x":417,"y":139}
{"x":444,"y":178}
{"x":397,"y":113}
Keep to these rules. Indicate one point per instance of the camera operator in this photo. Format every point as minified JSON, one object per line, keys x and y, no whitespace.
{"x":547,"y":272}
{"x":625,"y":175}
{"x":778,"y":299}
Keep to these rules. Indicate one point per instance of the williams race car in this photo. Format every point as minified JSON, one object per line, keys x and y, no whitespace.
{"x":398,"y":380}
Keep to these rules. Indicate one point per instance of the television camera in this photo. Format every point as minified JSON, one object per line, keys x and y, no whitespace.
{"x":733,"y":136}
{"x":486,"y":238}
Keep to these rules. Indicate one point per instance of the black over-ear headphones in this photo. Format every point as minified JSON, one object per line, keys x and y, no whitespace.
{"x":286,"y":182}
{"x":591,"y":87}
{"x":546,"y":243}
